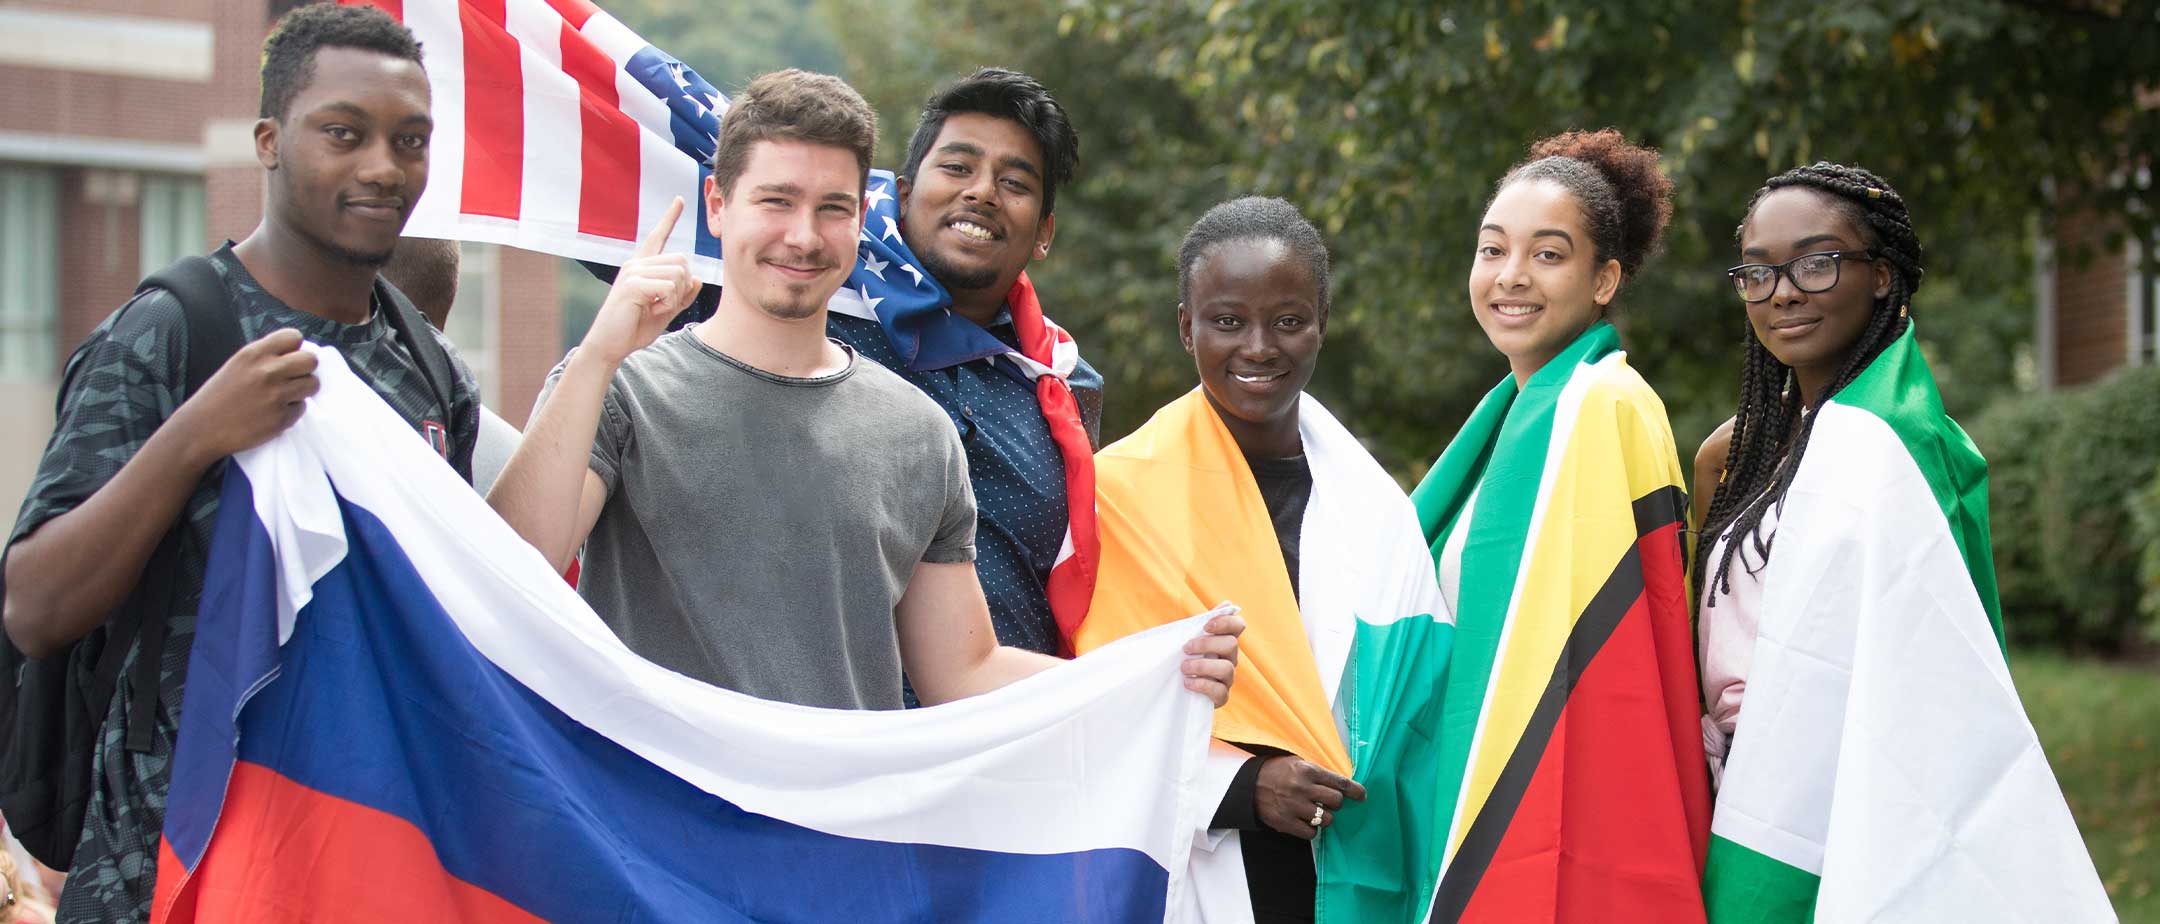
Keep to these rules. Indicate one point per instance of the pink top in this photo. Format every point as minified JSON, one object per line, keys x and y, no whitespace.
{"x":1728,"y":640}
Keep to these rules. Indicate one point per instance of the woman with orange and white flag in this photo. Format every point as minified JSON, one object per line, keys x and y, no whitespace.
{"x":1246,"y":489}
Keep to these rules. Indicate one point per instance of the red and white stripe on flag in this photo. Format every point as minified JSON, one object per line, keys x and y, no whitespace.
{"x":543,"y":139}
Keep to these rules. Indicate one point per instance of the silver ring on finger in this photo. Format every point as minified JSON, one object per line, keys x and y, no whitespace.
{"x":1319,"y":815}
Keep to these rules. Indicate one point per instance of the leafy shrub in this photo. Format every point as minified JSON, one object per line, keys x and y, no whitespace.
{"x":2064,"y":470}
{"x":2101,"y":457}
{"x":2014,"y":434}
{"x":2145,"y":514}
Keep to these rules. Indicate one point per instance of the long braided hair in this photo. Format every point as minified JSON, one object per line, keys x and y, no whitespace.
{"x":1766,"y":445}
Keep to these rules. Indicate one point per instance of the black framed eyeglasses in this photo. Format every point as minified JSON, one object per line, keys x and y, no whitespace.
{"x":1810,"y":273}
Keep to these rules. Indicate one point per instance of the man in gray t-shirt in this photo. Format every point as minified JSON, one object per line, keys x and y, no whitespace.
{"x":760,"y":508}
{"x":797,"y":541}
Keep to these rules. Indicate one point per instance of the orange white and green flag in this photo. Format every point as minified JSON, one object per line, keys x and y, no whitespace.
{"x":1883,"y":768}
{"x":1184,"y":526}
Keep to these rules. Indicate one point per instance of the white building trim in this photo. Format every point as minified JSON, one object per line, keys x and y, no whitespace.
{"x":2134,"y":307}
{"x":106,"y":43}
{"x":109,"y":153}
{"x":2044,"y":307}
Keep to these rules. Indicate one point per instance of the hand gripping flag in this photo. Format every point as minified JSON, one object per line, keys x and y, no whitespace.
{"x":396,"y":712}
{"x":558,"y":129}
{"x":1883,"y":768}
{"x":1567,"y":757}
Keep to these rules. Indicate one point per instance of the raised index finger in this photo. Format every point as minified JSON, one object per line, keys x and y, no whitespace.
{"x":656,"y":239}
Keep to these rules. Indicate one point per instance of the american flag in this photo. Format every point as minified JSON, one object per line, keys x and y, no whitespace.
{"x":557,"y":129}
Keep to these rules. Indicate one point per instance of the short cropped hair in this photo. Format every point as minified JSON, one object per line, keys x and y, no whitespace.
{"x":995,"y":91}
{"x":426,"y":270}
{"x":288,"y":63}
{"x":792,"y":105}
{"x":1254,"y":218}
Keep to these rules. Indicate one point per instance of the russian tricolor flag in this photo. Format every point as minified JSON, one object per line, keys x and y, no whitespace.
{"x":395,"y":712}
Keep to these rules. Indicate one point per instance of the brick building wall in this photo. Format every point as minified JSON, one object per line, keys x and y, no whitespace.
{"x":99,"y":212}
{"x":2091,"y":301}
{"x":102,"y":105}
{"x":529,"y":339}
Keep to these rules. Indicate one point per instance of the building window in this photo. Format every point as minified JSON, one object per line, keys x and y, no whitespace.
{"x":475,"y":316}
{"x":29,"y":272}
{"x":172,"y":220}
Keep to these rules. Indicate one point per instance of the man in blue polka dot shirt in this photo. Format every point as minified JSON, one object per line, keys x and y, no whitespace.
{"x":975,"y":198}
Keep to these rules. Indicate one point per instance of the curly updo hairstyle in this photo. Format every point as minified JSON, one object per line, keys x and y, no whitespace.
{"x":1625,"y":200}
{"x":1766,"y":446}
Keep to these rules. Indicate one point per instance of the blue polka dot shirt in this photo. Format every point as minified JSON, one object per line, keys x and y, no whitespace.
{"x":1014,"y":465}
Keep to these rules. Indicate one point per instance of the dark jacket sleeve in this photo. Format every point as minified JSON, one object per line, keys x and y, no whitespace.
{"x":1238,"y":810}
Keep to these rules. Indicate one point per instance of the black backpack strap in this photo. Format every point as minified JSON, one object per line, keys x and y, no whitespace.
{"x":434,"y":362}
{"x":213,"y":328}
{"x":213,"y":336}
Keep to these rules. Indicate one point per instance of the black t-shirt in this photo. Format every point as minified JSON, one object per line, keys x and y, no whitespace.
{"x":1279,"y":874}
{"x":1286,"y":486}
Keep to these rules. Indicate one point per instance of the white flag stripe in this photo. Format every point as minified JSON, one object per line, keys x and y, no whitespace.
{"x":553,"y":146}
{"x":442,"y":45}
{"x":666,"y":173}
{"x":1889,"y":753}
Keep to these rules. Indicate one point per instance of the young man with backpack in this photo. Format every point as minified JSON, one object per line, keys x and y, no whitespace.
{"x":104,"y":567}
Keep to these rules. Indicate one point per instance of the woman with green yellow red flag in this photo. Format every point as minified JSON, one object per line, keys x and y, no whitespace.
{"x":1562,"y":762}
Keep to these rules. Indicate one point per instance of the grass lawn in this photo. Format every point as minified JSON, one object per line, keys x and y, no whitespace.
{"x":2100,"y":724}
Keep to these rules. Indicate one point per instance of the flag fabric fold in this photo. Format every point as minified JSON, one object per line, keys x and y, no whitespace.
{"x":1184,"y":526}
{"x":395,"y":711}
{"x":1564,"y":754}
{"x":1885,"y":769}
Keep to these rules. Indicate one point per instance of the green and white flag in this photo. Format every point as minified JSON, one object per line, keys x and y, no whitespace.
{"x":1883,"y":768}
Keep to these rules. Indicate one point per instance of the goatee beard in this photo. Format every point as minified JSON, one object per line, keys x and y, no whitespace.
{"x":954,"y":277}
{"x":365,"y":260}
{"x":789,"y":309}
{"x":342,"y":253}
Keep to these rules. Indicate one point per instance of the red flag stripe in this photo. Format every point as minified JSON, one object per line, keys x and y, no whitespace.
{"x":609,"y":147}
{"x":1072,"y":581}
{"x":360,"y":864}
{"x":494,"y":175}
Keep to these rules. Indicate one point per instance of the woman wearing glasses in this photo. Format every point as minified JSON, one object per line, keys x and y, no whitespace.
{"x":1883,"y":767}
{"x":1568,"y":755}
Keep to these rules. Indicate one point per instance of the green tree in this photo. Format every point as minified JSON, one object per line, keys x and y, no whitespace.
{"x":1388,"y":121}
{"x":728,"y":44}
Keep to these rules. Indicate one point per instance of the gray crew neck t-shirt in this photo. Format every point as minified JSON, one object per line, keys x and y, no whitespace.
{"x":759,"y":529}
